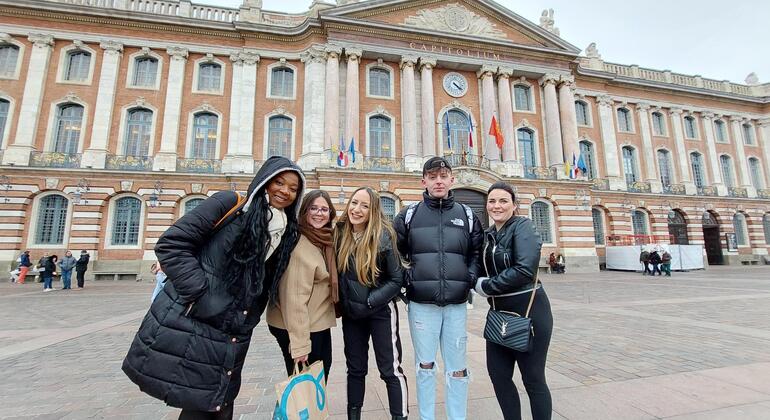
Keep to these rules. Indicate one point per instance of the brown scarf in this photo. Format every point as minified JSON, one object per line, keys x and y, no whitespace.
{"x":323,"y":239}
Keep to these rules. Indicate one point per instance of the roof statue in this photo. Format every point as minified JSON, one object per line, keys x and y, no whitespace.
{"x":547,"y":22}
{"x":592,"y":51}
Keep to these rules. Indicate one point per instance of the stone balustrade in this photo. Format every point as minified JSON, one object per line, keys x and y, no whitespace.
{"x":54,"y":160}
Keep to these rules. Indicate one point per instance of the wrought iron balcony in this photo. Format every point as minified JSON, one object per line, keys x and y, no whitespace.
{"x":200,"y":166}
{"x":129,"y":163}
{"x":539,"y":172}
{"x":677,"y":189}
{"x":601,"y":184}
{"x":639,"y":187}
{"x":383,"y":164}
{"x":467,"y":159}
{"x":737,"y":192}
{"x":763,"y":193}
{"x":54,"y":160}
{"x":707,"y":191}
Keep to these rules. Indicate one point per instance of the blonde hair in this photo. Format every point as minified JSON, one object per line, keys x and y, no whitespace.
{"x":364,"y":252}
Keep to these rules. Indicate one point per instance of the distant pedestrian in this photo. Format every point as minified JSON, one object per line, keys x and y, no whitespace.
{"x":644,"y":258}
{"x":48,"y":270}
{"x":666,"y":263}
{"x":40,"y":265}
{"x":24,"y":265}
{"x":655,"y":260}
{"x":66,"y":264}
{"x":81,"y":266}
{"x":160,"y":279}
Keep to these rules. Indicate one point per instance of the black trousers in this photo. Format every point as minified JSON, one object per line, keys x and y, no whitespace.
{"x":382,"y":327}
{"x":320,"y":349}
{"x":656,"y":269}
{"x":81,"y":275}
{"x":646,"y":267}
{"x":225,"y":414}
{"x":502,"y":360}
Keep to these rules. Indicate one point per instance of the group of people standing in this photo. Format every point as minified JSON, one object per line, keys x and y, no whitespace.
{"x":46,"y":269}
{"x":283,"y":251}
{"x":657,"y":258}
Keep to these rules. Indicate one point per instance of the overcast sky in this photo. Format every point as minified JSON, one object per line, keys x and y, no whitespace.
{"x":713,"y":38}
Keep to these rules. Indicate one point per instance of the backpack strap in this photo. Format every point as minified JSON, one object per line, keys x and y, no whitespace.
{"x":239,"y":202}
{"x":469,"y":215}
{"x":409,"y":214}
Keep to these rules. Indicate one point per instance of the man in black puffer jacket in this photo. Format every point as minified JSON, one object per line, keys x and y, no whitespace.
{"x":442,"y":241}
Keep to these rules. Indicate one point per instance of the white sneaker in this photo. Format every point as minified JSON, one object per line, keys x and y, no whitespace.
{"x":46,"y":290}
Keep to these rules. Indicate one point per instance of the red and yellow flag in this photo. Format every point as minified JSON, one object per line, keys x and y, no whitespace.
{"x":494,"y":130}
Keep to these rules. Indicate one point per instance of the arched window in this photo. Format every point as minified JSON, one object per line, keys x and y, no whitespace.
{"x":9,"y":56}
{"x":78,"y":66}
{"x":726,"y":164}
{"x":754,"y":169}
{"x":624,"y":120}
{"x":598,"y":218}
{"x":541,"y":216}
{"x":739,"y":225}
{"x":696,"y":162}
{"x":379,"y":81}
{"x":388,"y":207}
{"x":587,"y":151}
{"x":720,"y":131}
{"x":748,"y":134}
{"x":677,"y":228}
{"x":4,"y":107}
{"x":204,"y":144}
{"x":51,"y":220}
{"x":658,"y":124}
{"x":138,"y":132}
{"x":209,"y":77}
{"x":69,"y":121}
{"x":581,"y":111}
{"x":145,"y":72}
{"x":629,"y":164}
{"x":766,"y":224}
{"x":639,"y":222}
{"x":690,"y":127}
{"x":523,"y":97}
{"x":125,"y":221}
{"x":279,"y":137}
{"x":459,"y":128}
{"x":526,"y":147}
{"x":379,"y":136}
{"x":664,"y":167}
{"x":192,"y":203}
{"x":282,"y":82}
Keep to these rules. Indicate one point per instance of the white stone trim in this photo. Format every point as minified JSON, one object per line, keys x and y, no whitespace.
{"x":637,"y":164}
{"x":672,"y":174}
{"x":477,"y":141}
{"x":381,"y":65}
{"x":9,"y":40}
{"x":35,"y":216}
{"x":209,"y":58}
{"x":144,"y":52}
{"x":551,"y":217}
{"x":190,"y":130}
{"x":266,"y":131}
{"x":532,"y":103}
{"x":662,"y":113}
{"x":396,"y":200}
{"x":726,"y":130}
{"x":615,"y":110}
{"x":124,"y":122}
{"x":589,"y":113}
{"x":392,"y":118}
{"x":9,"y":120}
{"x":184,"y":201}
{"x":279,"y":64}
{"x":61,"y":71}
{"x":762,"y":180}
{"x":51,"y":127}
{"x":754,"y":135}
{"x":695,"y":124}
{"x":111,"y":219}
{"x":706,"y":180}
{"x":733,"y":169}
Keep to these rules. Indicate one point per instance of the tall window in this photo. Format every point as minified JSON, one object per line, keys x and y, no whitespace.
{"x":639,"y":222}
{"x":279,"y":137}
{"x":658,"y":124}
{"x":78,"y":66}
{"x":581,"y":111}
{"x":379,"y":136}
{"x":541,"y":216}
{"x":754,"y":169}
{"x":766,"y":225}
{"x":192,"y":204}
{"x":690,"y":127}
{"x":145,"y":72}
{"x":282,"y":82}
{"x":526,"y":147}
{"x":388,"y":207}
{"x":587,"y":151}
{"x":125,"y":225}
{"x":629,"y":164}
{"x":726,"y":163}
{"x":598,"y":217}
{"x":624,"y":120}
{"x":748,"y":134}
{"x":204,"y":144}
{"x":459,"y":127}
{"x":209,"y":77}
{"x":138,"y":131}
{"x":720,"y":131}
{"x":4,"y":106}
{"x":698,"y":174}
{"x":664,"y":166}
{"x":523,"y":97}
{"x":677,"y":228}
{"x":69,"y":121}
{"x":379,"y":82}
{"x":739,"y":225}
{"x":9,"y":55}
{"x":51,"y":220}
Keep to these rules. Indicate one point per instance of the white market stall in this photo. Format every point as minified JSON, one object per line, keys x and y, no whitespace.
{"x":683,"y":257}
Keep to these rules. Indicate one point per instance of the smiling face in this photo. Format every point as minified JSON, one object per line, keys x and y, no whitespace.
{"x":282,"y":190}
{"x":500,"y":206}
{"x":438,"y":182}
{"x":318,"y":213}
{"x":358,"y":210}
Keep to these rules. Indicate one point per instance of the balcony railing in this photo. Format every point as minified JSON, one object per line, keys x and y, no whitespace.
{"x":677,"y":189}
{"x":639,"y":187}
{"x":601,"y":184}
{"x":707,"y":191}
{"x":737,"y":192}
{"x":199,"y":166}
{"x":763,"y":193}
{"x":539,"y":172}
{"x":54,"y":160}
{"x":129,"y":163}
{"x":383,"y":164}
{"x":467,"y":159}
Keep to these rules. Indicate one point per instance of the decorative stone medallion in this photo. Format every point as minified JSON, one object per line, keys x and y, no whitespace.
{"x":51,"y":183}
{"x":126,"y":185}
{"x":456,"y":18}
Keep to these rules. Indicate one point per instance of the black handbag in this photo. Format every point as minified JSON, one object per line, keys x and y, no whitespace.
{"x":509,"y":329}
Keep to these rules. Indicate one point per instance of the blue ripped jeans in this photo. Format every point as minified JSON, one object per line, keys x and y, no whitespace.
{"x":431,"y":326}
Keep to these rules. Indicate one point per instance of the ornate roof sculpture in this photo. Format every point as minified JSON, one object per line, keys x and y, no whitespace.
{"x":455,"y":18}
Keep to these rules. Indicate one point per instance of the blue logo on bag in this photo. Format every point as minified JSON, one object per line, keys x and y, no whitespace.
{"x":304,"y":414}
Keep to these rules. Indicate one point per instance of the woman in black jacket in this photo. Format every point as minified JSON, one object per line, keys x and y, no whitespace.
{"x":511,"y":257}
{"x":370,"y":277}
{"x":223,"y":261}
{"x":49,"y":265}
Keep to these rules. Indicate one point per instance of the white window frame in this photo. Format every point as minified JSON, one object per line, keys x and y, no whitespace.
{"x":396,"y":201}
{"x":647,"y":224}
{"x":144,"y":52}
{"x":124,"y":122}
{"x":61,"y":71}
{"x":663,"y":122}
{"x":191,"y":127}
{"x":636,"y":162}
{"x":589,"y":113}
{"x":392,"y":119}
{"x":34,"y":219}
{"x":11,"y":41}
{"x":596,"y":168}
{"x":266,"y":132}
{"x":535,"y":141}
{"x":51,"y":128}
{"x":183,"y":202}
{"x":603,"y":213}
{"x":631,"y":123}
{"x":524,"y":82}
{"x":761,"y":180}
{"x":551,"y":217}
{"x":745,"y":229}
{"x":111,"y":216}
{"x":209,"y":59}
{"x":381,"y":65}
{"x":9,"y":121}
{"x":671,"y":168}
{"x":706,"y":180}
{"x":695,"y":126}
{"x":752,"y":133}
{"x":278,"y":64}
{"x":733,"y":170}
{"x":726,"y":132}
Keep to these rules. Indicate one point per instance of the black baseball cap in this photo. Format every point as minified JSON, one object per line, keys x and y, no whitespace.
{"x":436,"y":162}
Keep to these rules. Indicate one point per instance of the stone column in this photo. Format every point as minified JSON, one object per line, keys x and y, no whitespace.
{"x":313,"y":130}
{"x":351,"y":98}
{"x":764,"y":128}
{"x":96,"y":155}
{"x":711,"y":148}
{"x":511,"y":165}
{"x":428,"y":107}
{"x":165,"y":160}
{"x":229,"y":163}
{"x":240,"y":155}
{"x":741,"y":163}
{"x":552,"y":124}
{"x":487,"y":76}
{"x":332,"y":102}
{"x":650,"y":175}
{"x":31,"y":100}
{"x":681,"y":151}
{"x":412,"y":160}
{"x":610,"y":143}
{"x":568,"y":120}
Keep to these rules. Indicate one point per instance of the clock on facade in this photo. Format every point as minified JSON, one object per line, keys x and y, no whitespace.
{"x":455,"y":84}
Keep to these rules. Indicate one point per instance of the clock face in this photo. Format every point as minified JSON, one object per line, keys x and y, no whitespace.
{"x":455,"y":84}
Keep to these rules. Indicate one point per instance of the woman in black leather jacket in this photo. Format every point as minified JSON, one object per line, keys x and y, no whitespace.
{"x":370,"y":278}
{"x":511,"y":257}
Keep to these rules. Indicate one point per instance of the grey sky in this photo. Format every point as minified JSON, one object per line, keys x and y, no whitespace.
{"x":708,"y":37}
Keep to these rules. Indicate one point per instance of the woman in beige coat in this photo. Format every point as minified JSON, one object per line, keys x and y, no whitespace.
{"x":302,"y":317}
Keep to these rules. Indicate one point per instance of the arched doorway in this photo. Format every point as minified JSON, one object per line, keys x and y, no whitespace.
{"x":711,"y":239}
{"x":677,"y":228}
{"x":476,"y":201}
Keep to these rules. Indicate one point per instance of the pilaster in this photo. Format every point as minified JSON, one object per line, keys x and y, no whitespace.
{"x":332,"y":96}
{"x":96,"y":155}
{"x":681,"y":151}
{"x":742,"y":164}
{"x":610,"y":143}
{"x":568,"y":118}
{"x":351,"y":96}
{"x":643,"y":111}
{"x":428,"y":107}
{"x":487,"y":76}
{"x":240,"y":157}
{"x":412,"y":161}
{"x":553,"y":139}
{"x":165,"y":160}
{"x":764,"y":129}
{"x":314,"y":109}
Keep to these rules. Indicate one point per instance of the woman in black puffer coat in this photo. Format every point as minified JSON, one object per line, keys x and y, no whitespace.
{"x":223,"y":261}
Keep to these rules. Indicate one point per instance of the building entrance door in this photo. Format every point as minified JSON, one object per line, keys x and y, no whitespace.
{"x":711,"y":239}
{"x":476,"y":201}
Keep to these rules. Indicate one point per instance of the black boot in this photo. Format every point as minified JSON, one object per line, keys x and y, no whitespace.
{"x":399,"y":417}
{"x":354,"y":413}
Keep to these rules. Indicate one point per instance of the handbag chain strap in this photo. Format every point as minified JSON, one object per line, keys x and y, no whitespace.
{"x":531,"y":297}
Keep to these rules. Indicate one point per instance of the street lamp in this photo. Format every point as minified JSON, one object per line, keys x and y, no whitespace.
{"x":341,"y":195}
{"x":80,"y":190}
{"x":5,"y":185}
{"x":155,"y":196}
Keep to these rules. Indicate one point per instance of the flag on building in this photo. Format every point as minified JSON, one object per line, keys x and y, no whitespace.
{"x":342,"y":158}
{"x":470,"y":132}
{"x":574,"y":170}
{"x":581,"y":164}
{"x":448,"y":131}
{"x":494,"y":130}
{"x":352,"y":149}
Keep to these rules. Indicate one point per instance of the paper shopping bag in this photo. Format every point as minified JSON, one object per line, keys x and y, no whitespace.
{"x":303,"y":395}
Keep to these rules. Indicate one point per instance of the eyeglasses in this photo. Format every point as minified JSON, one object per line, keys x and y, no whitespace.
{"x":318,"y":210}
